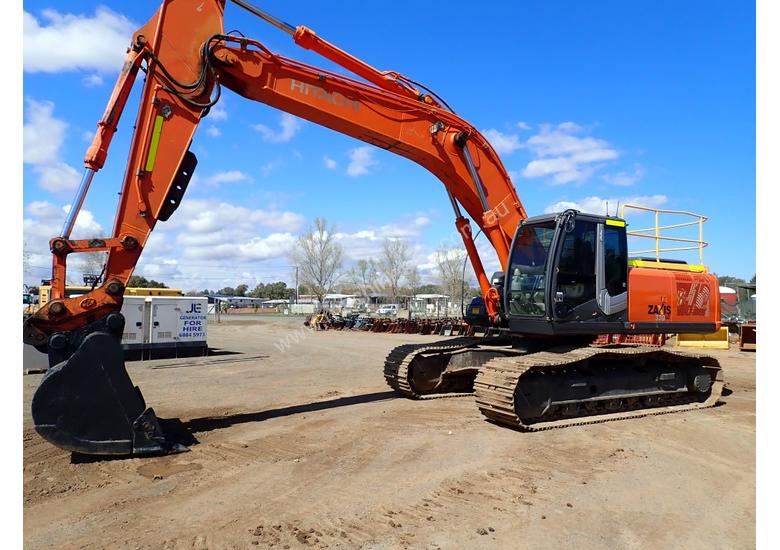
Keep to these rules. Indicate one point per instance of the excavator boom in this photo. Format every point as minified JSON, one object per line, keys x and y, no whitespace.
{"x":187,"y":58}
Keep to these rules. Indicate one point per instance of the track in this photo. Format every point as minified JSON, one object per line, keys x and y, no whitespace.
{"x":399,"y":360}
{"x":499,"y":381}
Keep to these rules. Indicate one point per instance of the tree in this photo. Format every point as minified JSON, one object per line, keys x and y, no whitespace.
{"x":241,"y":290}
{"x":413,"y":280}
{"x":26,"y":255}
{"x":449,"y":262}
{"x":394,"y":264}
{"x":273,"y":291}
{"x":753,"y":279}
{"x":279,"y":291}
{"x":429,"y":289}
{"x":138,"y":281}
{"x":728,"y":279}
{"x":363,"y":276}
{"x":319,"y":257}
{"x":92,"y":263}
{"x":227,"y":291}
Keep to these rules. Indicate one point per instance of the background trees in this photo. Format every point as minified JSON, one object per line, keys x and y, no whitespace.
{"x":394,"y":265}
{"x":319,"y":257}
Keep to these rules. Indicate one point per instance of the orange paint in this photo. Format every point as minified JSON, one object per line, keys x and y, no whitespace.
{"x":661,"y":296}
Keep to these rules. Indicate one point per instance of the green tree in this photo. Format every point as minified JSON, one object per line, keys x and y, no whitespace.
{"x":728,"y":279}
{"x":227,"y":291}
{"x":429,"y":289}
{"x":139,"y":281}
{"x":241,"y":290}
{"x":278,"y":291}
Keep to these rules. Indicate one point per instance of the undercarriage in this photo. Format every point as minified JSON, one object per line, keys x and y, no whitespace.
{"x":523,"y":387}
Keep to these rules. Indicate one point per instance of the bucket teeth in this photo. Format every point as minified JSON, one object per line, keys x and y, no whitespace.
{"x":88,"y":404}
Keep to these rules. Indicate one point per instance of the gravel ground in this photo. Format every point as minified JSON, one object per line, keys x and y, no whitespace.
{"x":301,"y":445}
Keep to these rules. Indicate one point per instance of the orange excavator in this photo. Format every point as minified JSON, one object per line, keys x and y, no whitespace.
{"x":564,"y":277}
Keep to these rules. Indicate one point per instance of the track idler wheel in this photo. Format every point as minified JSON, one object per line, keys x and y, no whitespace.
{"x":88,"y":404}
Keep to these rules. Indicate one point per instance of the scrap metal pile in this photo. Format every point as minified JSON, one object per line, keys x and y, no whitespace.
{"x":443,"y":327}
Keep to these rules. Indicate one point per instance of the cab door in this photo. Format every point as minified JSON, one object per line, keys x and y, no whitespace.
{"x":574,"y":276}
{"x":590,"y":276}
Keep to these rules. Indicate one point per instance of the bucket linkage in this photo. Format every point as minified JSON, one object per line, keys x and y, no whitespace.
{"x":86,"y":402}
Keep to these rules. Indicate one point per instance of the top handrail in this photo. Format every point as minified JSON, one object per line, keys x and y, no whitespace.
{"x":655,"y":231}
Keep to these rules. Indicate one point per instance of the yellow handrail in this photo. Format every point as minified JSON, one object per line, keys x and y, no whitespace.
{"x":655,"y":232}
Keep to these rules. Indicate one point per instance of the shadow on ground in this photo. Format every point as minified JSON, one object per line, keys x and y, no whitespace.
{"x":183,"y":432}
{"x":210,"y":423}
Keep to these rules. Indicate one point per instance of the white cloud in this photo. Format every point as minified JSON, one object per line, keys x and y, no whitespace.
{"x":92,"y":81}
{"x":43,"y":136}
{"x":205,"y":244}
{"x":523,"y":125}
{"x":257,"y":248}
{"x":504,"y":144}
{"x":209,"y":244}
{"x":218,"y":112}
{"x":598,"y":205}
{"x":330,"y":164}
{"x":229,"y":176}
{"x":65,"y":42}
{"x":367,"y":243}
{"x":564,"y":156}
{"x":57,"y":176}
{"x":626,"y":179}
{"x":213,"y":131}
{"x":203,"y":216}
{"x":42,"y":221}
{"x":289,"y":125}
{"x":361,"y":160}
{"x":269,"y":167}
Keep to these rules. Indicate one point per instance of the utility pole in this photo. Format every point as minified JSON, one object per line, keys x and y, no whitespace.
{"x":296,"y":284}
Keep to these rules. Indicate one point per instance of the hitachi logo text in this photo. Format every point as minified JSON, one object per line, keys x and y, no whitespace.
{"x":331,"y":97}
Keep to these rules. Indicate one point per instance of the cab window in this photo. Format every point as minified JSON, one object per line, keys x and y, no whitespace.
{"x":576,"y":278}
{"x":527,"y":268}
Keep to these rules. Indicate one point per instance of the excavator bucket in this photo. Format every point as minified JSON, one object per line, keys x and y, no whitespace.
{"x":88,"y":404}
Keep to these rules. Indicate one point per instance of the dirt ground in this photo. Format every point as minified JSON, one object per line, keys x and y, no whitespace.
{"x":306,"y":447}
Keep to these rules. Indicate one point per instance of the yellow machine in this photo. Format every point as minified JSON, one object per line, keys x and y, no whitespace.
{"x":72,"y":291}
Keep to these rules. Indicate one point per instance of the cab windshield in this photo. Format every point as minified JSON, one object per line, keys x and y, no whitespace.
{"x":527,"y":269}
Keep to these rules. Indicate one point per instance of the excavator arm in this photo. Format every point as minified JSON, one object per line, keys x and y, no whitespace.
{"x":187,"y":58}
{"x":86,"y":401}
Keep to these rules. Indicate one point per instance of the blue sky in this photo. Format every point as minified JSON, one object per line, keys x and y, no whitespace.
{"x":648,"y":102}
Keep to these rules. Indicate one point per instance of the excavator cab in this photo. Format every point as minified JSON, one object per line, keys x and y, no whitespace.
{"x":567,"y":274}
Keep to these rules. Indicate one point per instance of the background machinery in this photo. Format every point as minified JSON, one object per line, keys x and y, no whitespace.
{"x":564,"y":278}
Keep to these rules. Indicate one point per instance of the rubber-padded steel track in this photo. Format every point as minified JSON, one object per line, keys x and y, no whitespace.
{"x":398,"y":361}
{"x":498,"y":379}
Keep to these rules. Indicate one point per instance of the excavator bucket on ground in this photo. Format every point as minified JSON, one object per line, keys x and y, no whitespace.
{"x":88,"y":404}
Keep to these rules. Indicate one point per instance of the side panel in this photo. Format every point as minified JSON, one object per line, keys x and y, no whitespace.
{"x":135,"y":328}
{"x":165,"y":321}
{"x":664,"y":296}
{"x":193,"y":321}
